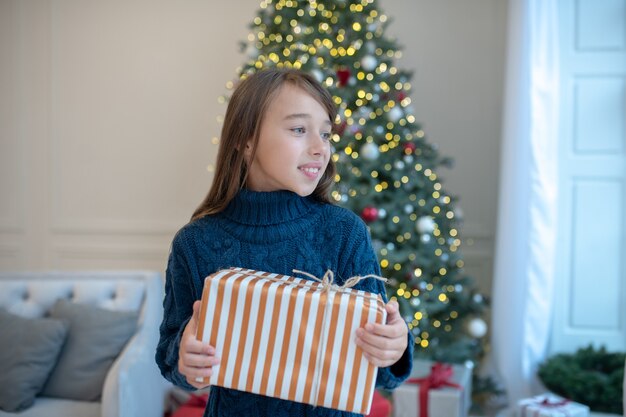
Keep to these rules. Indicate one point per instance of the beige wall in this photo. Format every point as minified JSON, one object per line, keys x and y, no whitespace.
{"x":107,"y":110}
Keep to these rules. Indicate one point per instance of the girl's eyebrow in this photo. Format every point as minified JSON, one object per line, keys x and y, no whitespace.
{"x":302,"y":116}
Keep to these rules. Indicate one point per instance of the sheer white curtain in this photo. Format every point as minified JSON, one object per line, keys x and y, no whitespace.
{"x":525,"y":241}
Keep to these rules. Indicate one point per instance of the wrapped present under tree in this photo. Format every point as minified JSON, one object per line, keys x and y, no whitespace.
{"x":434,"y":390}
{"x":550,"y":405}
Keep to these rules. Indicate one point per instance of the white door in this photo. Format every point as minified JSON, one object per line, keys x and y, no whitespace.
{"x":591,"y":266}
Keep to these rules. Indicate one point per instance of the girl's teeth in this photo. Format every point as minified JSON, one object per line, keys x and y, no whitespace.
{"x":311,"y":170}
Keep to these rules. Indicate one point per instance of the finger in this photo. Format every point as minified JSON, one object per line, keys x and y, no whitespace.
{"x":378,"y":356}
{"x":198,"y":382}
{"x":391,"y":330}
{"x":198,"y":385}
{"x":381,"y":363}
{"x":392,"y":307}
{"x":194,"y":372}
{"x":190,"y":344}
{"x":378,"y":342}
{"x":393,"y":312}
{"x":199,"y":360}
{"x":195,"y":317}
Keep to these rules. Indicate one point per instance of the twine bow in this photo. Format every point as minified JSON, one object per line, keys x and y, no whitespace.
{"x":328,"y":280}
{"x":440,"y":375}
{"x":547,"y":403}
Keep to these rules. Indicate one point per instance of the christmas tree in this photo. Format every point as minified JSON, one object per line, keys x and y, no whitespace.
{"x":387,"y":171}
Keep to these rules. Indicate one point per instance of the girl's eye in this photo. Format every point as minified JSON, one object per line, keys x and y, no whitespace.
{"x":325,"y":135}
{"x":298,"y":130}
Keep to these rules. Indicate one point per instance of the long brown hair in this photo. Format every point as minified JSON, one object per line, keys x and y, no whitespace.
{"x":244,"y":115}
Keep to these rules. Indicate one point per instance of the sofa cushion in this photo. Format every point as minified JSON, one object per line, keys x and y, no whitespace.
{"x":28,"y":351}
{"x":96,"y":337}
{"x":57,"y":407}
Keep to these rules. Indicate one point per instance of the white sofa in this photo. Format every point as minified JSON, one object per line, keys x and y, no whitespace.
{"x":133,"y":385}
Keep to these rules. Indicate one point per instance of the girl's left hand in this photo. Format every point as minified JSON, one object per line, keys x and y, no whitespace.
{"x":384,"y":344}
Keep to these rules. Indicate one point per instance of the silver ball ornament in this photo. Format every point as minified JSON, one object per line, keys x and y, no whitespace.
{"x":369,"y":63}
{"x":395,"y":114}
{"x":477,"y":327}
{"x":370,"y":151}
{"x":317,"y":74}
{"x":425,"y":224}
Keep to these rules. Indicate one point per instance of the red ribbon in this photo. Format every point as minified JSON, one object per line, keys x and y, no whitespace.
{"x":439,"y":377}
{"x":547,"y":403}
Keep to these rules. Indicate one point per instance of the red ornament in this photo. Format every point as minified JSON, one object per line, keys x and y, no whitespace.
{"x":409,"y":148}
{"x":343,"y":75}
{"x":369,"y":214}
{"x":401,"y":96}
{"x":341,"y":127}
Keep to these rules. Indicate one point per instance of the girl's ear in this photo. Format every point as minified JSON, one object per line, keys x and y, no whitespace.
{"x":247,"y":151}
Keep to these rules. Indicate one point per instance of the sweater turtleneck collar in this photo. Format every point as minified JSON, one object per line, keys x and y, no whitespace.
{"x":267,"y":208}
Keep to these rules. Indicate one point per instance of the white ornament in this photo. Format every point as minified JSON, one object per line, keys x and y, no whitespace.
{"x":364,"y":111}
{"x":354,"y":128}
{"x":425,"y":224}
{"x":369,"y":63}
{"x":370,"y":151}
{"x":317,"y":74}
{"x":477,"y":327}
{"x":395,"y":114}
{"x":425,"y":238}
{"x":398,"y":164}
{"x":379,"y":130}
{"x":415,"y":301}
{"x":382,"y":213}
{"x":252,"y":51}
{"x":408,"y":209}
{"x":370,"y":47}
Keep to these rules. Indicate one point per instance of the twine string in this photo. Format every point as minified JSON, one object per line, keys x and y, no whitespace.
{"x":328,"y":284}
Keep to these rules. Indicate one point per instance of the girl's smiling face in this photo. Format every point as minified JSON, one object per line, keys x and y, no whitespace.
{"x":294,"y":144}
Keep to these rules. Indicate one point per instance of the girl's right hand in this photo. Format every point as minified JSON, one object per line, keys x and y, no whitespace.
{"x":195,"y":359}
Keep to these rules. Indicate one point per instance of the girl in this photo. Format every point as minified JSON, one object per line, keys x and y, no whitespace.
{"x":269,"y":209}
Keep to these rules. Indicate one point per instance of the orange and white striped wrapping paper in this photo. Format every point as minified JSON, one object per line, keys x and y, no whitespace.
{"x":287,"y":338}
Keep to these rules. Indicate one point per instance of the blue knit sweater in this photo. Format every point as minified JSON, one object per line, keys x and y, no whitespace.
{"x":275,"y":232}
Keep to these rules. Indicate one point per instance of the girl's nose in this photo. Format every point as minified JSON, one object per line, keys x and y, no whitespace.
{"x":318,"y":144}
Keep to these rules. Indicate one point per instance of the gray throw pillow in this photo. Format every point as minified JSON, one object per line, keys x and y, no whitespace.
{"x":96,"y":337}
{"x":28,"y":350}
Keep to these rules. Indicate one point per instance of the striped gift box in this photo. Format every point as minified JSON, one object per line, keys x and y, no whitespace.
{"x":289,"y":338}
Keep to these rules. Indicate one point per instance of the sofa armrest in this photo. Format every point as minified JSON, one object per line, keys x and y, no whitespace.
{"x":134,"y":385}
